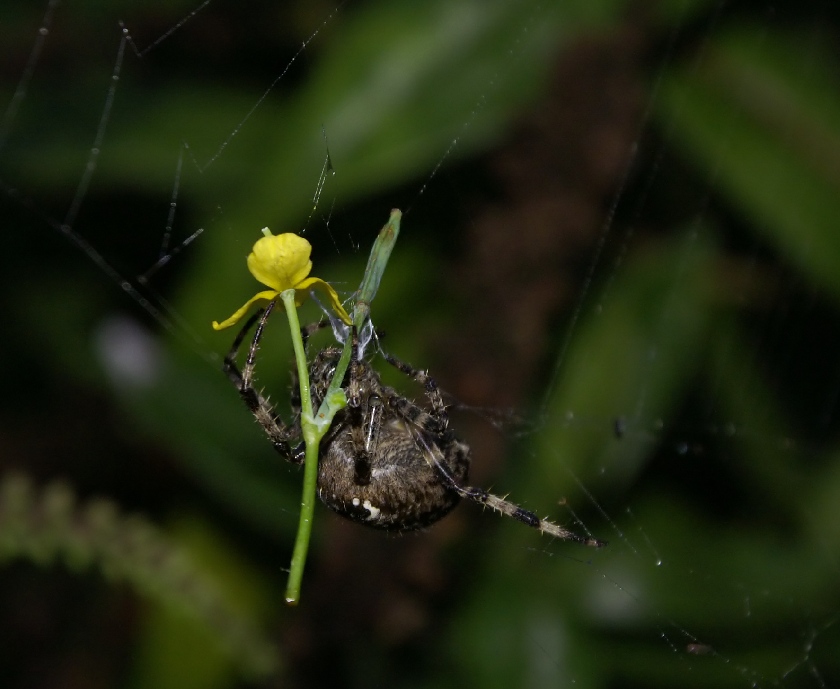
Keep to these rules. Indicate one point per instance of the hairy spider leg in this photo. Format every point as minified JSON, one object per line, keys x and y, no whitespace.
{"x":438,"y":421}
{"x":434,"y":456}
{"x":229,"y":366}
{"x":420,"y":423}
{"x":365,"y":417}
{"x":250,"y":360}
{"x":308,"y":331}
{"x":279,"y":433}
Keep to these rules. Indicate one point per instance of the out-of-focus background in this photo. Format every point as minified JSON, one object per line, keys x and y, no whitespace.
{"x":621,"y":244}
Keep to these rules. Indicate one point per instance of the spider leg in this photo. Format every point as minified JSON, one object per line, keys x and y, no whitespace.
{"x":441,"y":400}
{"x":434,"y":456}
{"x":229,"y":366}
{"x":438,"y":421}
{"x":365,"y":418}
{"x":423,"y":378}
{"x":354,"y":387}
{"x":308,"y":331}
{"x":260,"y":407}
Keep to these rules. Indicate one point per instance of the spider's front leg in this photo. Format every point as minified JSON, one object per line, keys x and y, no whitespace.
{"x":278,"y":432}
{"x":364,"y":411}
{"x":438,"y":421}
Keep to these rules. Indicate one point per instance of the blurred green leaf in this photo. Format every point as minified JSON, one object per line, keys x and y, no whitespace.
{"x":174,"y":652}
{"x":633,"y":354}
{"x":643,"y":341}
{"x":762,"y":116}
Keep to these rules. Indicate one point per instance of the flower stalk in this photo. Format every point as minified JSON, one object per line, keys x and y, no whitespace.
{"x":282,"y":263}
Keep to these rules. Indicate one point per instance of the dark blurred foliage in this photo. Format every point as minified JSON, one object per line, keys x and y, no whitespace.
{"x":633,"y":243}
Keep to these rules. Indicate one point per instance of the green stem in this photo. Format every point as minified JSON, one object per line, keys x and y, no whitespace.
{"x":315,"y":427}
{"x":288,"y":297}
{"x":312,"y":438}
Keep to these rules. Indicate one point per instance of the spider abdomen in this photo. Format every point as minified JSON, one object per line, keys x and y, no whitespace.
{"x":404,"y":491}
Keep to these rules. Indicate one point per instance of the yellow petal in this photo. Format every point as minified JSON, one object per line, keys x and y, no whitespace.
{"x":268,"y":294}
{"x":280,"y":261}
{"x":325,"y":288}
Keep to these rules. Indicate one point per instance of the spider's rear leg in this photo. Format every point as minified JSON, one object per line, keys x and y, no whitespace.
{"x":525,"y":516}
{"x":434,"y":456}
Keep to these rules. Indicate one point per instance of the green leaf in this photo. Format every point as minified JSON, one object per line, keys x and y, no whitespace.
{"x":631,"y":358}
{"x":763,"y":117}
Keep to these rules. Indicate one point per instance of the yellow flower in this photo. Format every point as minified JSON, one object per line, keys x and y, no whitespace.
{"x":282,"y":262}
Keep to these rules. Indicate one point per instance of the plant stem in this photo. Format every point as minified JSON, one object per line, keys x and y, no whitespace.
{"x":315,"y":427}
{"x":312,"y":438}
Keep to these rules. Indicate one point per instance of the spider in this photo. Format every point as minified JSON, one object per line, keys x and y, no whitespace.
{"x":385,"y":462}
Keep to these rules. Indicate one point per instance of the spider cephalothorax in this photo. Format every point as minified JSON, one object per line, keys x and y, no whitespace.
{"x":385,"y":462}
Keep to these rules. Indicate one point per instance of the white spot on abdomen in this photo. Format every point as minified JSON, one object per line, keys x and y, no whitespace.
{"x":374,"y":511}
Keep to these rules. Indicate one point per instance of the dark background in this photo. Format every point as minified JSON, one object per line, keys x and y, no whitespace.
{"x":633,"y":244}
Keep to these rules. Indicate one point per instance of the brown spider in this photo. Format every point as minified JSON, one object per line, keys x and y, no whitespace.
{"x":385,"y":462}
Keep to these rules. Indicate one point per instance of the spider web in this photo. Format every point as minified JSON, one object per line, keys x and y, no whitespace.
{"x":620,"y":221}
